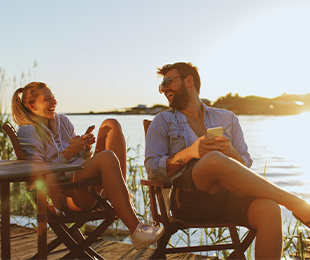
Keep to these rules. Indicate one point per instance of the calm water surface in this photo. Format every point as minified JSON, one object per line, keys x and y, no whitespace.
{"x":279,"y":143}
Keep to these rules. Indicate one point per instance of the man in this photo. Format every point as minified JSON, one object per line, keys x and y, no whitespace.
{"x":211,"y":177}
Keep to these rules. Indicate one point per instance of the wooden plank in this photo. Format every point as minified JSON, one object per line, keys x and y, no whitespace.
{"x":25,"y":246}
{"x":16,"y":231}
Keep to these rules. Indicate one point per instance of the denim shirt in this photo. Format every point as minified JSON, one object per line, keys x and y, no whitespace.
{"x":170,"y":133}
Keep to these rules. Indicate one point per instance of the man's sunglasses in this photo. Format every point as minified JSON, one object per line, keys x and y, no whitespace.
{"x":166,"y":83}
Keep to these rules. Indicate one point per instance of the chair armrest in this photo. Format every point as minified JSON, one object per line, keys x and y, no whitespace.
{"x":162,"y":183}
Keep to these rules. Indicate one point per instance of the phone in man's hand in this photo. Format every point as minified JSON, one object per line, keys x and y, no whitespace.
{"x":214,"y":132}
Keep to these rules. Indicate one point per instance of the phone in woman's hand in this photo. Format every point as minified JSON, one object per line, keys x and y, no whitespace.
{"x":90,"y":129}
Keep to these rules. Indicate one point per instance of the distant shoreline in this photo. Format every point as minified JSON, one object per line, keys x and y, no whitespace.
{"x":249,"y":105}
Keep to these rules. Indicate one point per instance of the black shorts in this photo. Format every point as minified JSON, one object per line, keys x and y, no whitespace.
{"x":190,"y":204}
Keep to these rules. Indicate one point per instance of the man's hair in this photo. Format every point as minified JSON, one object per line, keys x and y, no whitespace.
{"x":184,"y":69}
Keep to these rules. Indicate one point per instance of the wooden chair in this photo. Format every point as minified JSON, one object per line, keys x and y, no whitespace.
{"x":172,"y":225}
{"x":66,"y":225}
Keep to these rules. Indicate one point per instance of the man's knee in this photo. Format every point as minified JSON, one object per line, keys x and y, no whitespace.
{"x":265,"y":212}
{"x":212,"y":160}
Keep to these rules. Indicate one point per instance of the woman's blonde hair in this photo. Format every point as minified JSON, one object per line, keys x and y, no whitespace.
{"x":21,"y":113}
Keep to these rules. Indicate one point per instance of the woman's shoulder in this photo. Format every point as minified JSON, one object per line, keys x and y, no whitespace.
{"x":64,"y":122}
{"x":24,"y":129}
{"x":28,"y":132}
{"x":63,"y":119}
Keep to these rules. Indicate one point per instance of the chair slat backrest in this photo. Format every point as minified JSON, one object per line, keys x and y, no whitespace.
{"x":146,"y":124}
{"x":11,"y":132}
{"x":167,"y":184}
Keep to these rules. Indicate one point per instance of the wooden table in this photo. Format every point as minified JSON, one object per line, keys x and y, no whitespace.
{"x":20,"y":171}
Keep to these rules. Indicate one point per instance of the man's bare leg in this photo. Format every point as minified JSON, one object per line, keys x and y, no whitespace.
{"x":265,"y":216}
{"x":215,"y":172}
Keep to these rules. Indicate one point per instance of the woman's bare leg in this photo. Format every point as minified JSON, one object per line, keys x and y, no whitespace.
{"x":106,"y":165}
{"x":111,"y":137}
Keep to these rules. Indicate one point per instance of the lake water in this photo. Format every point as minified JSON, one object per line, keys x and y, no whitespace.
{"x":278,"y":143}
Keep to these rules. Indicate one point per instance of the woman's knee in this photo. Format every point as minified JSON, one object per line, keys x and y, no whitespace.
{"x":107,"y":156}
{"x":112,"y":123}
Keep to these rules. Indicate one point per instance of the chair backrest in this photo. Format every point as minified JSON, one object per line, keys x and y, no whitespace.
{"x":166,"y":190}
{"x":11,"y":132}
{"x":146,"y":124}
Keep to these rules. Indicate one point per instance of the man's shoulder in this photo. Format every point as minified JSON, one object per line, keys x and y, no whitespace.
{"x":220,"y":112}
{"x":166,"y":115}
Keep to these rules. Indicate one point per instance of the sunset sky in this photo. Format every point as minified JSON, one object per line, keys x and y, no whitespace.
{"x":103,"y":55}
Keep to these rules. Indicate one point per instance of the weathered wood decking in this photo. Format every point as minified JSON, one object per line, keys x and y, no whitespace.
{"x":24,"y":246}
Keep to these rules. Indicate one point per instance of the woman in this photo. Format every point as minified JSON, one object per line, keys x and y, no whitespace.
{"x":47,"y":136}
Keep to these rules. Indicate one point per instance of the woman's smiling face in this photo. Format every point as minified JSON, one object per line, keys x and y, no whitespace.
{"x":44,"y":106}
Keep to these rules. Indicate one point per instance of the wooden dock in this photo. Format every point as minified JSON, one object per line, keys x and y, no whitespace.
{"x":24,"y":246}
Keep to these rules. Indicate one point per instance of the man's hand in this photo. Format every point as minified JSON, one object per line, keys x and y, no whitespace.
{"x":222,"y":144}
{"x":225,"y":145}
{"x":226,"y":148}
{"x":203,"y":146}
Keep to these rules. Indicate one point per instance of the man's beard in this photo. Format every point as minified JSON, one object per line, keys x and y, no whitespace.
{"x":180,"y":99}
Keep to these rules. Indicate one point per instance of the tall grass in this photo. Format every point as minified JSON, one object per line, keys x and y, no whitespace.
{"x":20,"y":198}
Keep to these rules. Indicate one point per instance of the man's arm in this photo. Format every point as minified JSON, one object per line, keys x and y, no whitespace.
{"x":177,"y":161}
{"x":197,"y":150}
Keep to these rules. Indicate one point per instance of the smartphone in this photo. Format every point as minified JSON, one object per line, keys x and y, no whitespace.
{"x":90,"y":129}
{"x":214,"y":132}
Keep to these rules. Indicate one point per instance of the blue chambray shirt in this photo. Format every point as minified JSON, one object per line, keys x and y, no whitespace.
{"x":170,"y":133}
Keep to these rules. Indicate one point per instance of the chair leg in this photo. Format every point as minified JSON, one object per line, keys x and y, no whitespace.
{"x":160,"y":252}
{"x":67,"y":239}
{"x":239,"y":253}
{"x":85,"y":245}
{"x":60,"y":230}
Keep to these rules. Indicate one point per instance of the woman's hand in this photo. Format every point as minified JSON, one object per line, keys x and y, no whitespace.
{"x":76,"y":145}
{"x":90,"y":140}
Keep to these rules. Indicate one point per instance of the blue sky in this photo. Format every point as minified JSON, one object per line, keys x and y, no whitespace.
{"x":103,"y":55}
